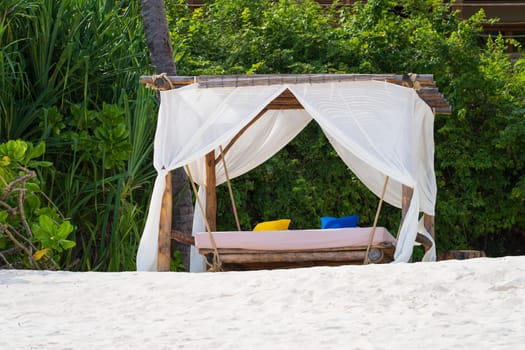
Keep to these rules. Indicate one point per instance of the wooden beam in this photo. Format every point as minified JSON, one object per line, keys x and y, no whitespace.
{"x":209,"y":81}
{"x":211,"y":194}
{"x":181,"y":237}
{"x":177,"y":81}
{"x":407,"y":194}
{"x":291,"y":257}
{"x":421,"y":80}
{"x":296,"y":257}
{"x":286,"y":100}
{"x":164,"y":250}
{"x":424,"y":241}
{"x":424,"y":84}
{"x":428,"y":221}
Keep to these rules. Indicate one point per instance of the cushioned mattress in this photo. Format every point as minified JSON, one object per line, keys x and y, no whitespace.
{"x":295,"y":239}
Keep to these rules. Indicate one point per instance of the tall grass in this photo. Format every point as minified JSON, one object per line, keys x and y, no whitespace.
{"x":14,"y":17}
{"x":69,"y":76}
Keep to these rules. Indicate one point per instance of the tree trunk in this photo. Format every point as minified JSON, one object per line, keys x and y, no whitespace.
{"x":161,"y":56}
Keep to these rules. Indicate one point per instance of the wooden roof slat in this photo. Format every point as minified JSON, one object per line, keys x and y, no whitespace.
{"x":208,"y":81}
{"x":424,"y":84}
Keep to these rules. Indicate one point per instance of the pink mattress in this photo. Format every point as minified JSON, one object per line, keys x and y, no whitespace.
{"x":294,"y":239}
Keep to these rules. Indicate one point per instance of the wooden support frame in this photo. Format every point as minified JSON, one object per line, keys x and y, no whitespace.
{"x":245,"y":259}
{"x":423,"y":84}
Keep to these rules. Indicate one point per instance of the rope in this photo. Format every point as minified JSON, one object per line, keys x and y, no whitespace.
{"x":230,"y":189}
{"x":160,"y":82}
{"x":216,"y":264}
{"x":365,"y":261}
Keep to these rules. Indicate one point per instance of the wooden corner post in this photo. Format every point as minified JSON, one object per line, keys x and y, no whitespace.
{"x":407,"y":194}
{"x":164,"y":253}
{"x":428,"y":220}
{"x":211,"y":195}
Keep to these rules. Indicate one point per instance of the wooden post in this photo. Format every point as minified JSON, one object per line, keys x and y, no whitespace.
{"x":405,"y":201}
{"x":428,"y":221}
{"x":164,"y":256}
{"x":211,"y":195}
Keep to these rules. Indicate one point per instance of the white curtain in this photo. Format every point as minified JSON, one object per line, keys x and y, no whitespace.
{"x":257,"y":144}
{"x":378,"y":129}
{"x":191,"y":123}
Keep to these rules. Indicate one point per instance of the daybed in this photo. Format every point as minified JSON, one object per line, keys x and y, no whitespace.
{"x":381,"y":126}
{"x":249,"y":250}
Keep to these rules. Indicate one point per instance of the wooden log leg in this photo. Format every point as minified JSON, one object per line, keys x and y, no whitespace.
{"x":428,"y":221}
{"x":406,"y":197}
{"x":407,"y":194}
{"x":164,"y":253}
{"x":211,"y":195}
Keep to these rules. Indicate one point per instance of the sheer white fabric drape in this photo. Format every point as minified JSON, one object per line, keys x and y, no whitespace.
{"x":378,"y":129}
{"x":262,"y":140}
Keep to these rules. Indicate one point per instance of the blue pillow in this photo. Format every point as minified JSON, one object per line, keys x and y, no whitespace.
{"x":346,"y":221}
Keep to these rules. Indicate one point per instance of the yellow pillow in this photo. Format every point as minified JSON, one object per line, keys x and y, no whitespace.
{"x":275,"y":225}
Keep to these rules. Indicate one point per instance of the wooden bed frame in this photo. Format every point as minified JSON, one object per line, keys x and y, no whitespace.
{"x":236,"y":259}
{"x":244,"y":259}
{"x":248,"y":250}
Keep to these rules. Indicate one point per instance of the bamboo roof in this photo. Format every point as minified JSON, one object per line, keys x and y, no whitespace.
{"x":424,"y":85}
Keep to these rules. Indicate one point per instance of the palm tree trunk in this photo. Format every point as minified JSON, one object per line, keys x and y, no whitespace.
{"x":161,"y":56}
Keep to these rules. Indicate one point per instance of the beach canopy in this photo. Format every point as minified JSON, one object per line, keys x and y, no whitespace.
{"x":377,"y":128}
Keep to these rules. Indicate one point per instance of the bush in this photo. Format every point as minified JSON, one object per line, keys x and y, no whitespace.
{"x":32,"y":231}
{"x":69,"y":75}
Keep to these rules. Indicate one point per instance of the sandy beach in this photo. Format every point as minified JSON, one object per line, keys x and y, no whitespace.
{"x":469,"y":304}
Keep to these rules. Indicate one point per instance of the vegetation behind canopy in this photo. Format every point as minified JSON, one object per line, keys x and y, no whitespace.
{"x":479,"y":163}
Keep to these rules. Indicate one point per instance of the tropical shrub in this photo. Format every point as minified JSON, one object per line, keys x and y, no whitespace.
{"x":32,"y":230}
{"x":69,"y":76}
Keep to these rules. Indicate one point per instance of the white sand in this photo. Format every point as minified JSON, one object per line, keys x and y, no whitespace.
{"x":474,"y":304}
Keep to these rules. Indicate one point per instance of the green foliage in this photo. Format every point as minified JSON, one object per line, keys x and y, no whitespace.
{"x":176,"y":263}
{"x":102,"y":136}
{"x":60,"y":52}
{"x":69,"y":76}
{"x":31,"y":231}
{"x":51,"y":235}
{"x":482,"y":170}
{"x":479,"y":166}
{"x":244,"y":36}
{"x":299,"y":183}
{"x":104,"y":164}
